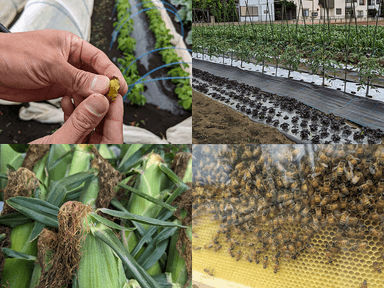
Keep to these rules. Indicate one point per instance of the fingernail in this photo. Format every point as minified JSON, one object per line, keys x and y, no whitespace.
{"x":97,"y":104}
{"x":99,"y":83}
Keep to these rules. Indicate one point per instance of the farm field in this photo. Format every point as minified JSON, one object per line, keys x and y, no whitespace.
{"x":345,"y":61}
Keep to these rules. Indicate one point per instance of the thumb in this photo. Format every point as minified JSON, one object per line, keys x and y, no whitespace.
{"x":81,"y":82}
{"x":82,"y":121}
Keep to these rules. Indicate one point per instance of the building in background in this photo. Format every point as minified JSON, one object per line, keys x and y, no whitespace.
{"x":338,"y":9}
{"x":258,"y":10}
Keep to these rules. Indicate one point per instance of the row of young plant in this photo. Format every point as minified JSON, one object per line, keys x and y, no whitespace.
{"x":251,"y":43}
{"x":185,"y":14}
{"x":163,"y":40}
{"x":127,"y":45}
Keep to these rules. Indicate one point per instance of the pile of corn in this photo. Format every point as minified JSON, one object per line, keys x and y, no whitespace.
{"x":94,"y":215}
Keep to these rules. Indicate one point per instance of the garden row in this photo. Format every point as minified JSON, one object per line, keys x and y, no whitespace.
{"x":127,"y":45}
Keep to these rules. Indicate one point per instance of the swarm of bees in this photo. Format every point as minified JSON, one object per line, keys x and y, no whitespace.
{"x":270,"y":200}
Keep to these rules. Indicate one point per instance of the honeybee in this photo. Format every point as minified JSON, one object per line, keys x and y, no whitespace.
{"x":356,"y":178}
{"x":288,"y":255}
{"x":375,"y":233}
{"x":365,"y":200}
{"x":217,"y":248}
{"x":350,"y":232}
{"x":364,"y":285}
{"x":344,"y":217}
{"x":312,"y":181}
{"x":380,"y":202}
{"x":362,"y":245}
{"x":196,"y":248}
{"x":311,"y":248}
{"x":374,"y":216}
{"x":247,"y":258}
{"x":208,"y":246}
{"x":340,"y":168}
{"x":265,"y":262}
{"x":377,"y":267}
{"x":210,"y":273}
{"x":328,"y":254}
{"x":365,"y":186}
{"x":276,"y":267}
{"x":238,"y":255}
{"x":229,"y":250}
{"x":276,"y":256}
{"x":335,"y":195}
{"x":318,"y":212}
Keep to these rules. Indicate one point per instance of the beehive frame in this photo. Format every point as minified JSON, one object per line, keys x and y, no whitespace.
{"x":353,"y":263}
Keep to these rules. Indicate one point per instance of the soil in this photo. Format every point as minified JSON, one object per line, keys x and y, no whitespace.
{"x":215,"y":123}
{"x":150,"y":117}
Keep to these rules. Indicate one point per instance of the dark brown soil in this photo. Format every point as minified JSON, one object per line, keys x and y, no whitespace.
{"x":215,"y":123}
{"x":150,"y":117}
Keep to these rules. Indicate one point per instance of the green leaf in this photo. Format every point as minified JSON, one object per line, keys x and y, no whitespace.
{"x":140,"y":219}
{"x":110,"y":223}
{"x":10,"y":253}
{"x":107,"y":236}
{"x":147,"y":197}
{"x":14,"y":219}
{"x":36,"y":209}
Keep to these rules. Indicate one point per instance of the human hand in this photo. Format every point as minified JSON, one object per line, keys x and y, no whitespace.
{"x":95,"y":112}
{"x":47,"y":64}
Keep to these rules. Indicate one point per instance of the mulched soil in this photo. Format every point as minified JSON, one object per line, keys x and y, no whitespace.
{"x":150,"y":117}
{"x":215,"y":123}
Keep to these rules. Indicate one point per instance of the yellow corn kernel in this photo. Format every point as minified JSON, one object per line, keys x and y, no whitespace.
{"x":114,"y":87}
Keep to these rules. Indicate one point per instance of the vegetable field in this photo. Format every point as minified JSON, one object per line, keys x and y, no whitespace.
{"x":114,"y":216}
{"x":323,"y":50}
{"x":345,"y":59}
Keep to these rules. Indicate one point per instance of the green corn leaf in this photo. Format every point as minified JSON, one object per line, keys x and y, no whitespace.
{"x":36,"y":209}
{"x":90,"y":191}
{"x":155,"y":248}
{"x":75,"y":180}
{"x":59,"y":161}
{"x":10,"y":253}
{"x":135,"y":158}
{"x":74,"y":194}
{"x":36,"y":231}
{"x":14,"y":219}
{"x":109,"y":223}
{"x":147,"y":237}
{"x":174,"y":178}
{"x":140,"y":219}
{"x":132,"y":268}
{"x":147,"y":197}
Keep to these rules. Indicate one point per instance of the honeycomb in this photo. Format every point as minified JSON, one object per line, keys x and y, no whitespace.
{"x":317,"y":210}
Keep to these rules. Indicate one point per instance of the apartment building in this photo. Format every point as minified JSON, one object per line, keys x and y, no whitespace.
{"x":338,"y":9}
{"x":258,"y":10}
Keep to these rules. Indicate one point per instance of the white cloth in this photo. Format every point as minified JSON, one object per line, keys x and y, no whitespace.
{"x":42,"y":112}
{"x":181,"y":133}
